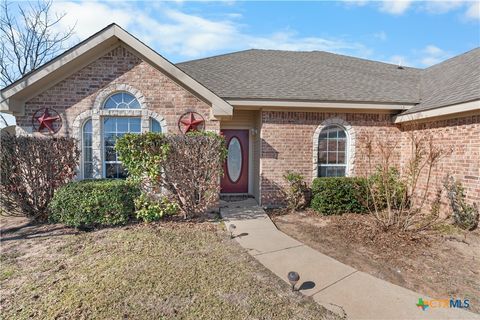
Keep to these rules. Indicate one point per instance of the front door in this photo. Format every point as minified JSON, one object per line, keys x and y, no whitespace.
{"x":235,"y":178}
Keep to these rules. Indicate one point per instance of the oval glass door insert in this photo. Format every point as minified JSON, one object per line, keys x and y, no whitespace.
{"x":234,"y":159}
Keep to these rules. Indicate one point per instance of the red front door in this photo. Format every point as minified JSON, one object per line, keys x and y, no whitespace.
{"x":235,"y":178}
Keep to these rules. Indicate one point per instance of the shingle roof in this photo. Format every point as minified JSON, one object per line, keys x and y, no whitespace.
{"x":315,"y":76}
{"x":453,"y":81}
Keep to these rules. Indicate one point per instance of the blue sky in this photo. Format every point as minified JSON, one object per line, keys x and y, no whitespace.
{"x":415,"y":33}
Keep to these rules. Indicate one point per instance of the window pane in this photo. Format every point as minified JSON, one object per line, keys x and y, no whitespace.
{"x":110,"y":104}
{"x":332,"y":157}
{"x":110,"y":154}
{"x":122,"y":124}
{"x":135,"y":125}
{"x":88,"y":171}
{"x":155,"y":125}
{"x":87,"y":127}
{"x":332,"y":145}
{"x":322,"y":171}
{"x":109,"y":125}
{"x":340,"y":171}
{"x":341,"y":157}
{"x":110,"y":139}
{"x":134,"y":104}
{"x":322,"y":145}
{"x":87,"y":139}
{"x":117,"y":98}
{"x":127,"y":98}
{"x":342,"y":144}
{"x":322,"y":157}
{"x":110,"y":170}
{"x":341,"y":134}
{"x":87,"y":154}
{"x":332,"y":133}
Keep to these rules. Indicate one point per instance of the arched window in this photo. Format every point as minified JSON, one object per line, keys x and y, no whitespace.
{"x":332,"y":152}
{"x":155,"y":126}
{"x":87,"y":149}
{"x":121,"y":100}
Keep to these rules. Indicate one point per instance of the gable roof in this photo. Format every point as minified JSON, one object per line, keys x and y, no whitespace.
{"x":14,"y":96}
{"x":305,"y":76}
{"x":454,"y":81}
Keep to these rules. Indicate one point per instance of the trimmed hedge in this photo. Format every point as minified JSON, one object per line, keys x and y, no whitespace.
{"x":94,"y":203}
{"x":338,"y":195}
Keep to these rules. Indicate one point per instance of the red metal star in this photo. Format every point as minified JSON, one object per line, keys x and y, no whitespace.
{"x":46,"y":121}
{"x":190,"y":123}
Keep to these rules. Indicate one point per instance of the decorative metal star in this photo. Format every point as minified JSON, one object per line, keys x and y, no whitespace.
{"x":190,"y":123}
{"x":46,"y":120}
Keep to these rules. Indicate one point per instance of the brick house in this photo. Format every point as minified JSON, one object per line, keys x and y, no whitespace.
{"x":300,"y":111}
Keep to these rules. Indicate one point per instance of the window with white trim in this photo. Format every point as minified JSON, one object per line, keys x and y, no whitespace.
{"x":121,"y":100}
{"x":87,"y":149}
{"x":332,"y":152}
{"x":113,"y":128}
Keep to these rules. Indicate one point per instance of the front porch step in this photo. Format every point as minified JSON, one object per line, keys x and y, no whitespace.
{"x":235,"y":197}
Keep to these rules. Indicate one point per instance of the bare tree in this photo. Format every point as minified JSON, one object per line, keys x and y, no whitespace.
{"x":29,"y":38}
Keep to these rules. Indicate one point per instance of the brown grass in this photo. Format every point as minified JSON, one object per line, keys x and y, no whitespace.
{"x":163,"y":271}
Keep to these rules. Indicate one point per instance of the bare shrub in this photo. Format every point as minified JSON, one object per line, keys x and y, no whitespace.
{"x":298,"y":194}
{"x":465,"y":216}
{"x":396,"y":200}
{"x":32,"y":168}
{"x":186,"y":168}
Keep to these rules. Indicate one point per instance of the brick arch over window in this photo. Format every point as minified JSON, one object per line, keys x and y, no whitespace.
{"x":351,"y":139}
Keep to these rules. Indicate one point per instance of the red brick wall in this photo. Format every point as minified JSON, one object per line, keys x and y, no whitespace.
{"x":461,"y":136}
{"x":77,"y":93}
{"x":287,"y":144}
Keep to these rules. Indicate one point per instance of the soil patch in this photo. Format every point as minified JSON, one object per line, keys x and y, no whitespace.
{"x":443,"y":263}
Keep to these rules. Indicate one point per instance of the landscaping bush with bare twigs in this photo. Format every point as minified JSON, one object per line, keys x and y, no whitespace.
{"x":298,"y":194}
{"x":395,"y":198}
{"x":32,"y":168}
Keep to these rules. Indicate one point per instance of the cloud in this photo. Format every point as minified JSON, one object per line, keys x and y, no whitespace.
{"x":174,"y":32}
{"x":382,"y":35}
{"x":395,"y":7}
{"x":440,"y":7}
{"x":432,"y":55}
{"x":399,"y":7}
{"x":473,"y":11}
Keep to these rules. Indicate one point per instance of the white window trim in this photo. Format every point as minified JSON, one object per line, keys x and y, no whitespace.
{"x":97,"y":113}
{"x":350,"y":152}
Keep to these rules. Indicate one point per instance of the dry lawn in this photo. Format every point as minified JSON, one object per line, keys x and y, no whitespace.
{"x":168,"y":270}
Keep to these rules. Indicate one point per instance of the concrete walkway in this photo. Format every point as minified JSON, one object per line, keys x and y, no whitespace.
{"x":336,"y":286}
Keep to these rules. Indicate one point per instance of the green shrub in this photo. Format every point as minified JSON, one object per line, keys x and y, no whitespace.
{"x":94,"y":203}
{"x":338,"y":195}
{"x":149,"y":210}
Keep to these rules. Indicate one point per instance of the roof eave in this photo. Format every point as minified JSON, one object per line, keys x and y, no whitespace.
{"x":15,"y":95}
{"x":439,"y":112}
